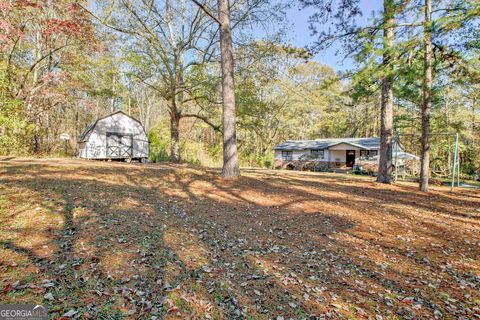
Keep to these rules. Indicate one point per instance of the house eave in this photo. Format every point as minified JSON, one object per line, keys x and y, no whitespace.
{"x":369,"y":143}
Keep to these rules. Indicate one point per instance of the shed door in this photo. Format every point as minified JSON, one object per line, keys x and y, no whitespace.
{"x":119,"y":145}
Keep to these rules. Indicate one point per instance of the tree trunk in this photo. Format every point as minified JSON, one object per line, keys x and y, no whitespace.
{"x":386,"y":113}
{"x":37,"y":52}
{"x":474,"y":121}
{"x":427,"y":98}
{"x":76,"y":130}
{"x":174,"y":135}
{"x":230,"y":157}
{"x":112,"y":107}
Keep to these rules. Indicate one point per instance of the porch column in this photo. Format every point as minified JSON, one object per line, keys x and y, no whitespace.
{"x":328,"y":163}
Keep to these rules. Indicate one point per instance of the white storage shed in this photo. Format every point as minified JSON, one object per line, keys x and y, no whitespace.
{"x":116,"y":136}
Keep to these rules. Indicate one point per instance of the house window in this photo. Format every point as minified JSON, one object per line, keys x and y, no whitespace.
{"x":317,"y":153}
{"x":367,"y":154}
{"x":287,"y":155}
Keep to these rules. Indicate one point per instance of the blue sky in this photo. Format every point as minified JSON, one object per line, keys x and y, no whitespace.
{"x":299,"y":35}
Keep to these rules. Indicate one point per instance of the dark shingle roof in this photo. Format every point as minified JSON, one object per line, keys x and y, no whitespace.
{"x":364,"y":143}
{"x":88,"y":129}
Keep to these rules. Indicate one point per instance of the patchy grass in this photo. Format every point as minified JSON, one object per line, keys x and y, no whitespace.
{"x":125,"y":241}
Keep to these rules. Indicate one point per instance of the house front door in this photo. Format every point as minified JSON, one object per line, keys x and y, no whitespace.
{"x":350,"y":158}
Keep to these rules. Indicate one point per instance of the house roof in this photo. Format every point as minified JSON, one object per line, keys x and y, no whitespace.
{"x":401,"y":155}
{"x":88,"y":130}
{"x":362,"y":143}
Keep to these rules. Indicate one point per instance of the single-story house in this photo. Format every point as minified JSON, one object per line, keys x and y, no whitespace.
{"x":329,"y":153}
{"x":116,"y":136}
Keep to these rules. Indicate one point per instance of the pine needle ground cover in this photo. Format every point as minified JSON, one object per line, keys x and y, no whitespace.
{"x":106,"y":240}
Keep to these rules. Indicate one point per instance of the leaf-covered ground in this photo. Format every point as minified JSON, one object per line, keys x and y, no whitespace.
{"x":106,"y":240}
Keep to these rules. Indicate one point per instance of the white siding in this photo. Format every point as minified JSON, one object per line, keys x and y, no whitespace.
{"x":96,"y":145}
{"x":82,"y":151}
{"x":298,"y":153}
{"x":277,"y":155}
{"x":344,"y":146}
{"x":335,"y":154}
{"x":338,"y":156}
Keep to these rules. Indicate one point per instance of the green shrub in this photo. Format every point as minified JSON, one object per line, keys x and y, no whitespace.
{"x":159,"y":145}
{"x":468,"y":168}
{"x":15,"y":131}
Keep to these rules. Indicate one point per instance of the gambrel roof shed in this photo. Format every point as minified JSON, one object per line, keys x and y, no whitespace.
{"x":116,"y":136}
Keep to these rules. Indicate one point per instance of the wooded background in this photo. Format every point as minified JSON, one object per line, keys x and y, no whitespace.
{"x":63,"y":64}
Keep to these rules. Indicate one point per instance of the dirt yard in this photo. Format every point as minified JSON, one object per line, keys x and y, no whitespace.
{"x":99,"y":240}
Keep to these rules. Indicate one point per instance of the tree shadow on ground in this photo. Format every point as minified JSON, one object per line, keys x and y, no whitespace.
{"x":172,"y":242}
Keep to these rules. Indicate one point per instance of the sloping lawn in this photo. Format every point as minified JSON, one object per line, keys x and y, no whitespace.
{"x":106,"y":240}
